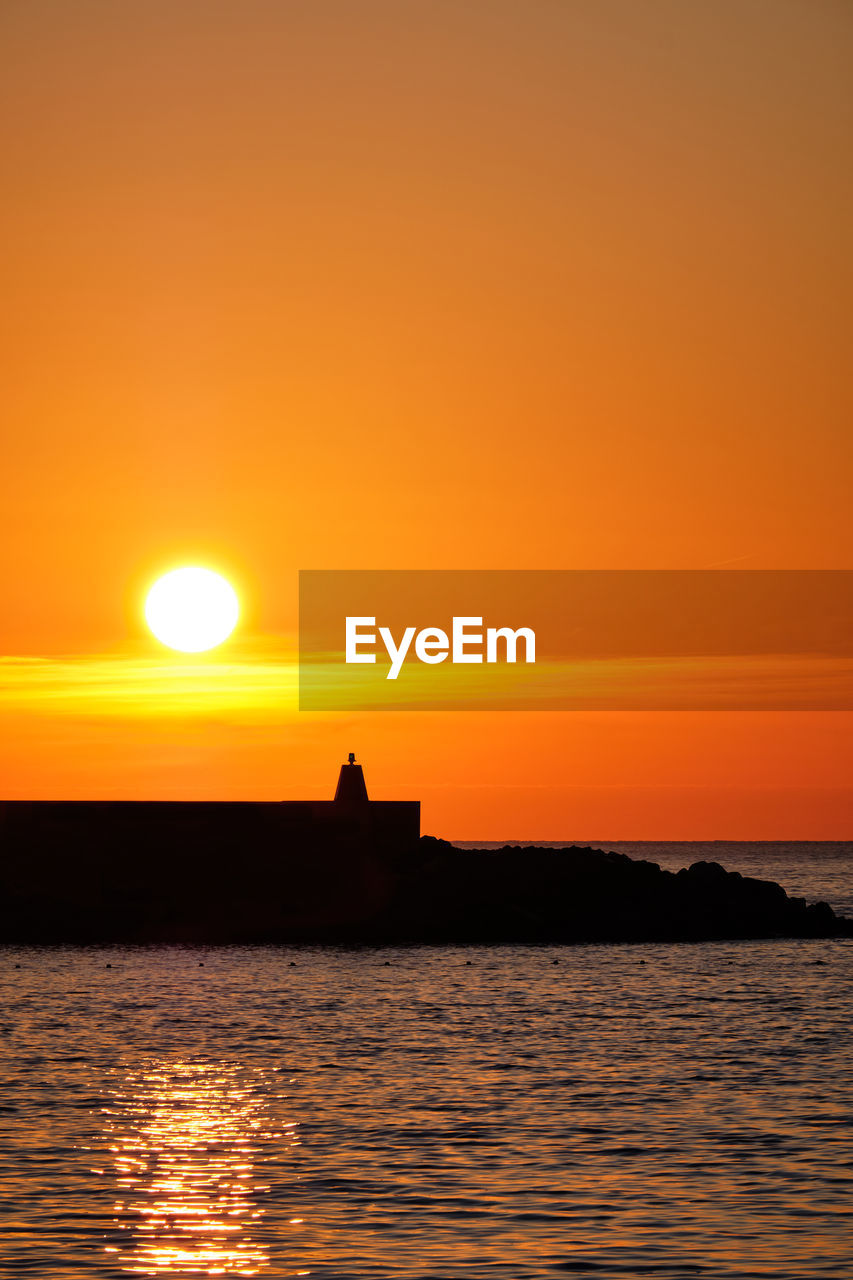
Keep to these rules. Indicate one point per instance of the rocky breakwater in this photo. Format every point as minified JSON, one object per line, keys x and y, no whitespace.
{"x":345,"y":888}
{"x":524,"y":894}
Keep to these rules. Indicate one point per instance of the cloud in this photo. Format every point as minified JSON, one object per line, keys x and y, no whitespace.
{"x":111,"y":686}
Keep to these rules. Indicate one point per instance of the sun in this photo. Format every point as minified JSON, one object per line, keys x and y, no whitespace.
{"x":192,"y":609}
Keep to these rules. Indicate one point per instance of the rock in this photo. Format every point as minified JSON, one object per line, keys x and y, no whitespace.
{"x":427,"y":892}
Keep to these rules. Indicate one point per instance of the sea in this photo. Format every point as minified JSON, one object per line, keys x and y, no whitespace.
{"x":484,"y":1112}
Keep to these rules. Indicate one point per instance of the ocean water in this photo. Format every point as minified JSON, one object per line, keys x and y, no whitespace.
{"x":606,"y":1111}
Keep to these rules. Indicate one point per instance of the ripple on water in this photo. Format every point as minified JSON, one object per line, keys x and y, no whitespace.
{"x":347,"y":1119}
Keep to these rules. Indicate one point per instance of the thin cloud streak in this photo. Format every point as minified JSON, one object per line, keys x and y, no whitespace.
{"x":115,"y":685}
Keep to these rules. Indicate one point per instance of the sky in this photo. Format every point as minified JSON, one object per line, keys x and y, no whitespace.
{"x":426,"y":285}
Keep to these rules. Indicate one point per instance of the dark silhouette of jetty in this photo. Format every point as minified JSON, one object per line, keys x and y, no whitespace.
{"x":145,"y":826}
{"x":348,"y":870}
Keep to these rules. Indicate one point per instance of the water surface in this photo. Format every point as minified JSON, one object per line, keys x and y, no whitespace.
{"x":661,"y":1110}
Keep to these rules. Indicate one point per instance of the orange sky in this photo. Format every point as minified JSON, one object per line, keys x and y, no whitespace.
{"x":449,"y":285}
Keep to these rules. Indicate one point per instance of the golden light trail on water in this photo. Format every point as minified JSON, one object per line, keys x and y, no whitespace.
{"x":185,"y":1140}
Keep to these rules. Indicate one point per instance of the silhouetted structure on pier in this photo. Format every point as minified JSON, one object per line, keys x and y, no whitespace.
{"x":347,"y":870}
{"x":48,"y":826}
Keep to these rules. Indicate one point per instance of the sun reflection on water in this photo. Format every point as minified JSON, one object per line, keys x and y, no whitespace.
{"x":185,"y":1140}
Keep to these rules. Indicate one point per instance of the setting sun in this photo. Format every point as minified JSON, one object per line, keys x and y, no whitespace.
{"x":192,"y":609}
